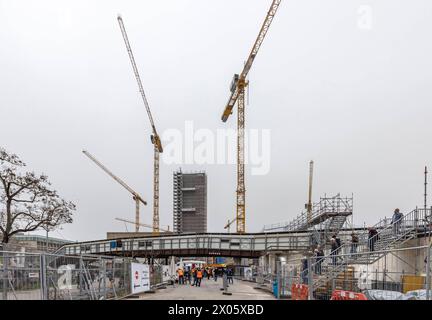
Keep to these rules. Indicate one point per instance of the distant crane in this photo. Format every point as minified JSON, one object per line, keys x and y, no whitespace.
{"x":155,"y":139}
{"x":238,"y":85}
{"x":137,"y":198}
{"x":229,"y":223}
{"x":142,"y":224}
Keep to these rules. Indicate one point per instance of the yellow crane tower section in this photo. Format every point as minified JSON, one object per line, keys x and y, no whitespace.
{"x":238,"y":86}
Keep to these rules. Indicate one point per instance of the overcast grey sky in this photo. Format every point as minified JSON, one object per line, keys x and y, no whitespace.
{"x":355,"y":100}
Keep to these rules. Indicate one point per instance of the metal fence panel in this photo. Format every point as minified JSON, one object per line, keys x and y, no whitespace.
{"x":28,"y":276}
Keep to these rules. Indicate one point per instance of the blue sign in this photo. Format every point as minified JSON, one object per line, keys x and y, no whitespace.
{"x":220,"y":260}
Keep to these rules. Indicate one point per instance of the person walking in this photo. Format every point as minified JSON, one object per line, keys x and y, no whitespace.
{"x":194,"y":276}
{"x":199,"y":275}
{"x":334,"y":249}
{"x":339,"y":246}
{"x":209,"y":273}
{"x":187,"y":276}
{"x":230,"y":274}
{"x":215,"y":274}
{"x":354,"y":244}
{"x":397,"y":221}
{"x":372,"y":238}
{"x":304,"y":271}
{"x":319,"y":254}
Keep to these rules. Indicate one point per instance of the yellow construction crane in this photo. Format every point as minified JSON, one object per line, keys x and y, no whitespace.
{"x":238,"y":85}
{"x":155,"y":139}
{"x":142,"y":225}
{"x":137,"y":198}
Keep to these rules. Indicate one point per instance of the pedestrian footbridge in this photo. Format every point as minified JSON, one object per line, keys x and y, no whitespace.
{"x":250,"y":245}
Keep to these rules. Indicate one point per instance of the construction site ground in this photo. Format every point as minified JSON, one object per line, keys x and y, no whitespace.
{"x":209,"y":290}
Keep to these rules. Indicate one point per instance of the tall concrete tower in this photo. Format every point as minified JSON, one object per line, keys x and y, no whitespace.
{"x":190,"y":202}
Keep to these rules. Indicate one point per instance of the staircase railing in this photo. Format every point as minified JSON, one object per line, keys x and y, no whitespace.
{"x":388,"y":235}
{"x":327,"y":206}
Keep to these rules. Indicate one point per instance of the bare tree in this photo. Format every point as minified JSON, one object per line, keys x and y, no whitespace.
{"x":27,"y":201}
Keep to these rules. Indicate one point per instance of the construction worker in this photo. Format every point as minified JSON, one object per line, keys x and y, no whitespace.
{"x":199,"y":275}
{"x":180,"y":276}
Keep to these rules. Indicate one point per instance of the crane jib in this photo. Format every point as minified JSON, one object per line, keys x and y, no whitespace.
{"x":246,"y":68}
{"x":112,"y":175}
{"x":138,"y":79}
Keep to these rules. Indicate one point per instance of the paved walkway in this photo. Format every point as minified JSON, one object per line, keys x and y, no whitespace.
{"x":209,"y":290}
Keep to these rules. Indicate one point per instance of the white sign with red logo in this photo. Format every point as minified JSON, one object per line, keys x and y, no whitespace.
{"x":140,"y":274}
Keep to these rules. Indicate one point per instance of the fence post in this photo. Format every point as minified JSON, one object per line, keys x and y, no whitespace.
{"x":105,"y":275}
{"x":279,"y":279}
{"x":43,"y":277}
{"x":428,"y":272}
{"x":310,"y":279}
{"x":5,"y":275}
{"x":80,"y":275}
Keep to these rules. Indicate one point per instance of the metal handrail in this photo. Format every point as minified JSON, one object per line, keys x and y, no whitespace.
{"x":334,"y":204}
{"x":408,"y":224}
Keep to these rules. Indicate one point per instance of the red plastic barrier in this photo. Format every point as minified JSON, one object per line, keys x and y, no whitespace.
{"x":299,"y":292}
{"x":347,"y":295}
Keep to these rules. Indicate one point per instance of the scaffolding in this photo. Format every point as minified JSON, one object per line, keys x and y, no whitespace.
{"x":328,"y":216}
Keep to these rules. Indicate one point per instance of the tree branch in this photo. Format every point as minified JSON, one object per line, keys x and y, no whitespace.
{"x":21,"y":189}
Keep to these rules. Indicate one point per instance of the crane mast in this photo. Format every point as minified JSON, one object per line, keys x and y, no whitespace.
{"x":155,"y":139}
{"x":238,"y":95}
{"x":137,"y":198}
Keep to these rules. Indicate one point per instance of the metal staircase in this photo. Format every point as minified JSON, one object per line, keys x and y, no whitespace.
{"x":388,"y":237}
{"x":334,"y":211}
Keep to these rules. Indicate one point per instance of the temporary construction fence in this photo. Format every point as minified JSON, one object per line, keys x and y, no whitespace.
{"x":40,"y":276}
{"x":401,"y":274}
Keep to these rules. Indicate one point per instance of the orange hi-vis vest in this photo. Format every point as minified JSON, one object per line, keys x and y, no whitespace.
{"x":180,"y":272}
{"x":199,"y":274}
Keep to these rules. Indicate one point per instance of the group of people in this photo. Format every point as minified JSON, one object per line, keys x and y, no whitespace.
{"x":194,"y":275}
{"x":373,"y":235}
{"x":336,"y":243}
{"x":219,"y":272}
{"x":396,"y":223}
